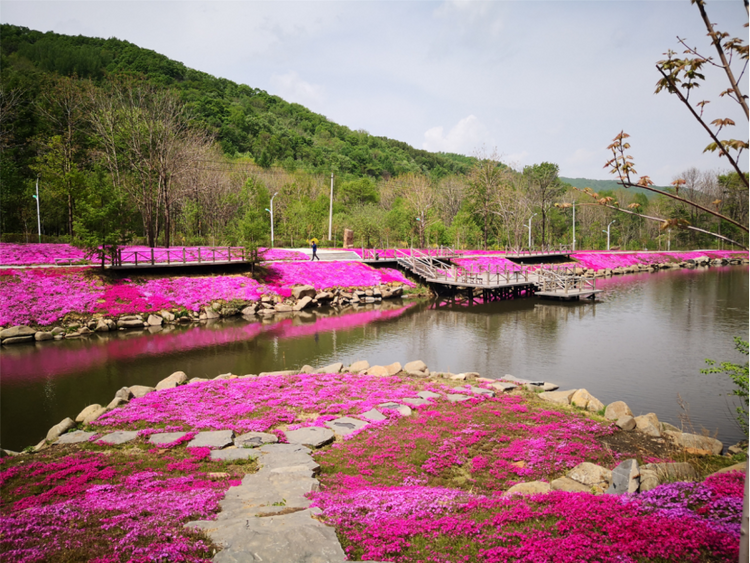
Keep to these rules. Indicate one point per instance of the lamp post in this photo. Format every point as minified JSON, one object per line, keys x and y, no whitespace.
{"x":529,"y":226}
{"x":271,"y":212}
{"x":330,"y":211}
{"x":607,"y":231}
{"x":38,"y":219}
{"x":574,"y":226}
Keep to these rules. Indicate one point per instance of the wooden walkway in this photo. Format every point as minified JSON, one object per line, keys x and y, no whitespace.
{"x":127,"y":259}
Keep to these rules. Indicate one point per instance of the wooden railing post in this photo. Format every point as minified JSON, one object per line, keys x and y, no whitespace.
{"x":199,"y":255}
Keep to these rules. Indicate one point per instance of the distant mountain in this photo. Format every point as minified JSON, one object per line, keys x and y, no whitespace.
{"x":606,"y":185}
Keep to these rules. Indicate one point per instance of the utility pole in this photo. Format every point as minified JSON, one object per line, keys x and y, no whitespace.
{"x":38,"y":219}
{"x":607,"y":231}
{"x":529,"y":226}
{"x":271,"y":212}
{"x":574,"y":226}
{"x":330,"y":211}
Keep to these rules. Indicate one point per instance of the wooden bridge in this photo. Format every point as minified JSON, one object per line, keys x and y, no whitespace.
{"x":127,"y":258}
{"x":497,"y":283}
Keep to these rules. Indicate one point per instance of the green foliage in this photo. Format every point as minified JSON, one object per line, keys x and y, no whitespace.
{"x":739,"y":375}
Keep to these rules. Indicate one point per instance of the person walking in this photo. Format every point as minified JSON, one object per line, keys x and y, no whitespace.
{"x":315,"y":251}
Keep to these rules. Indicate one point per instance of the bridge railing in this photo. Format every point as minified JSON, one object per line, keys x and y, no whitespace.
{"x":193,"y":255}
{"x":546,"y":250}
{"x":564,"y":280}
{"x":389,"y":253}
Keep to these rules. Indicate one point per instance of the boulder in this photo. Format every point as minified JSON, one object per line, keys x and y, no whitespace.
{"x":569,"y":485}
{"x":626,"y":422}
{"x":530,"y":488}
{"x":648,"y":424}
{"x":379,"y":371}
{"x":557,"y":397}
{"x":742,"y":466}
{"x":249,"y":311}
{"x":307,"y":369}
{"x":283,"y":308}
{"x":581,"y":398}
{"x":625,"y":478}
{"x":417,"y":366}
{"x":361,"y":365}
{"x":174,"y":380}
{"x":18,"y":339}
{"x":92,"y":412}
{"x":116,"y":402}
{"x":60,"y":428}
{"x":591,"y":475}
{"x":42,"y":336}
{"x":685,"y":440}
{"x":16,"y":332}
{"x":300,"y":291}
{"x":101,"y":326}
{"x":654,"y":474}
{"x":229,"y":311}
{"x":333,"y":368}
{"x":154,"y":320}
{"x":127,"y":322}
{"x":140,"y":390}
{"x":616,"y":410}
{"x":167,"y":316}
{"x":302,"y":303}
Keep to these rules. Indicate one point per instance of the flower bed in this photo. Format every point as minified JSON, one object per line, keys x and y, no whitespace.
{"x":606,"y":260}
{"x":12,"y":254}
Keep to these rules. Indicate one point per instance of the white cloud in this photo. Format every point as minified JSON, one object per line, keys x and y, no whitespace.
{"x":293,"y":88}
{"x":466,"y":137}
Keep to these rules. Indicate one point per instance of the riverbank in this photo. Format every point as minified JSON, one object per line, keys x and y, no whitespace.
{"x":502,"y":470}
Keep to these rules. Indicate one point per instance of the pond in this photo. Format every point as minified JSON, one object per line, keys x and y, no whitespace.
{"x":644,"y":341}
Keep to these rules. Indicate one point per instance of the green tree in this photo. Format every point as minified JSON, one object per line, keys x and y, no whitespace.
{"x":544,"y":188}
{"x":739,"y":375}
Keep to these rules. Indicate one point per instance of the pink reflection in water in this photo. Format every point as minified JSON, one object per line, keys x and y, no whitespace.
{"x":28,"y":364}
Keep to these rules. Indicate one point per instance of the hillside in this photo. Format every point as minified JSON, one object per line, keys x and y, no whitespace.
{"x":605,"y":185}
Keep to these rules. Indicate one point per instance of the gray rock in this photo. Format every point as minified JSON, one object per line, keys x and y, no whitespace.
{"x":165,"y":438}
{"x":415,"y":402}
{"x":76,"y":437}
{"x":174,"y":380}
{"x":482,"y":391}
{"x":42,"y":336}
{"x":654,"y":474}
{"x":57,"y":330}
{"x":403,"y":410}
{"x":233,"y":454}
{"x":312,"y":436}
{"x":456,"y":397}
{"x":625,"y":478}
{"x":648,"y":424}
{"x":685,"y":440}
{"x":373,"y":415}
{"x":557,"y":397}
{"x":119,"y":437}
{"x":283,"y":308}
{"x":333,"y":368}
{"x":521,"y":381}
{"x":18,"y":339}
{"x":130,"y":323}
{"x":60,"y":428}
{"x":585,"y":400}
{"x":546,"y":386}
{"x":139,"y":391}
{"x":212,"y":439}
{"x":503,"y":386}
{"x":626,"y":422}
{"x":166,"y":315}
{"x":17,"y":332}
{"x":255,"y":439}
{"x":345,"y":425}
{"x":428,"y":395}
{"x":124,"y":393}
{"x":591,"y":475}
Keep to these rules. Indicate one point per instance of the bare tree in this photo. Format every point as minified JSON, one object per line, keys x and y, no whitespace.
{"x":419,"y":196}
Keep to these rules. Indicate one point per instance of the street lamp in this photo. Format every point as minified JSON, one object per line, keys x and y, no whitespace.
{"x":607,"y":231}
{"x":529,"y":226}
{"x":271,"y":212}
{"x":38,"y":220}
{"x":330,"y":211}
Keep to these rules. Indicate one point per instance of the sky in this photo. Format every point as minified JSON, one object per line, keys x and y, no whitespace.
{"x":531,"y":81}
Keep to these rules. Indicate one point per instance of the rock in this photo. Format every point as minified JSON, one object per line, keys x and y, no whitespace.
{"x":654,"y":474}
{"x":302,"y":303}
{"x":92,"y":412}
{"x":283,"y":308}
{"x":116,"y":438}
{"x":129,"y":323}
{"x":233,"y":454}
{"x":198,"y":380}
{"x":277,"y":373}
{"x":307,"y":369}
{"x":379,"y":371}
{"x":417,"y":366}
{"x":255,"y":439}
{"x":738,"y":448}
{"x":416,"y":402}
{"x":59,"y":429}
{"x":333,"y":368}
{"x":17,"y":332}
{"x":403,"y":410}
{"x":163,"y":438}
{"x":76,"y":437}
{"x":312,"y":436}
{"x":101,"y":326}
{"x":217,"y":439}
{"x":393,"y":369}
{"x":249,"y":311}
{"x":57,"y":330}
{"x":18,"y":339}
{"x":116,"y":402}
{"x":581,"y":398}
{"x":139,"y":391}
{"x":648,"y":424}
{"x":626,"y":423}
{"x":361,"y":365}
{"x":300,"y":291}
{"x":550,"y":387}
{"x":530,"y":488}
{"x":616,"y":410}
{"x":42,"y":336}
{"x":503,"y":386}
{"x":591,"y":475}
{"x":685,"y":440}
{"x":482,"y":391}
{"x":742,"y":466}
{"x":625,"y":478}
{"x":457,"y":377}
{"x":557,"y":397}
{"x":456,"y":397}
{"x":228,"y":312}
{"x":174,"y":380}
{"x":665,"y":426}
{"x":124,"y":393}
{"x":428,"y":395}
{"x":166,"y":315}
{"x":569,"y":485}
{"x":345,"y":425}
{"x":154,"y":320}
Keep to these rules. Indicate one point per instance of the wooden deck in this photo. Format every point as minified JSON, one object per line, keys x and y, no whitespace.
{"x":178,"y":257}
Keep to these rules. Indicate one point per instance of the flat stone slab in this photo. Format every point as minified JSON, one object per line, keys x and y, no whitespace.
{"x":255,"y":439}
{"x":119,"y":437}
{"x":212,"y":439}
{"x":233,"y":454}
{"x":428,"y":395}
{"x":345,"y":425}
{"x":521,"y":381}
{"x":482,"y":391}
{"x":416,"y":402}
{"x":165,"y":438}
{"x":504,"y":386}
{"x":457,"y":397}
{"x":403,"y":410}
{"x":75,"y":437}
{"x":312,"y":436}
{"x":374,"y":415}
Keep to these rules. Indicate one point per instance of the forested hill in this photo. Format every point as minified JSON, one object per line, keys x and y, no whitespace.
{"x":245,"y":120}
{"x":604,"y":186}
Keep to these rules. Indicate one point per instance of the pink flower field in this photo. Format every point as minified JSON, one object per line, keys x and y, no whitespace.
{"x":610,"y":260}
